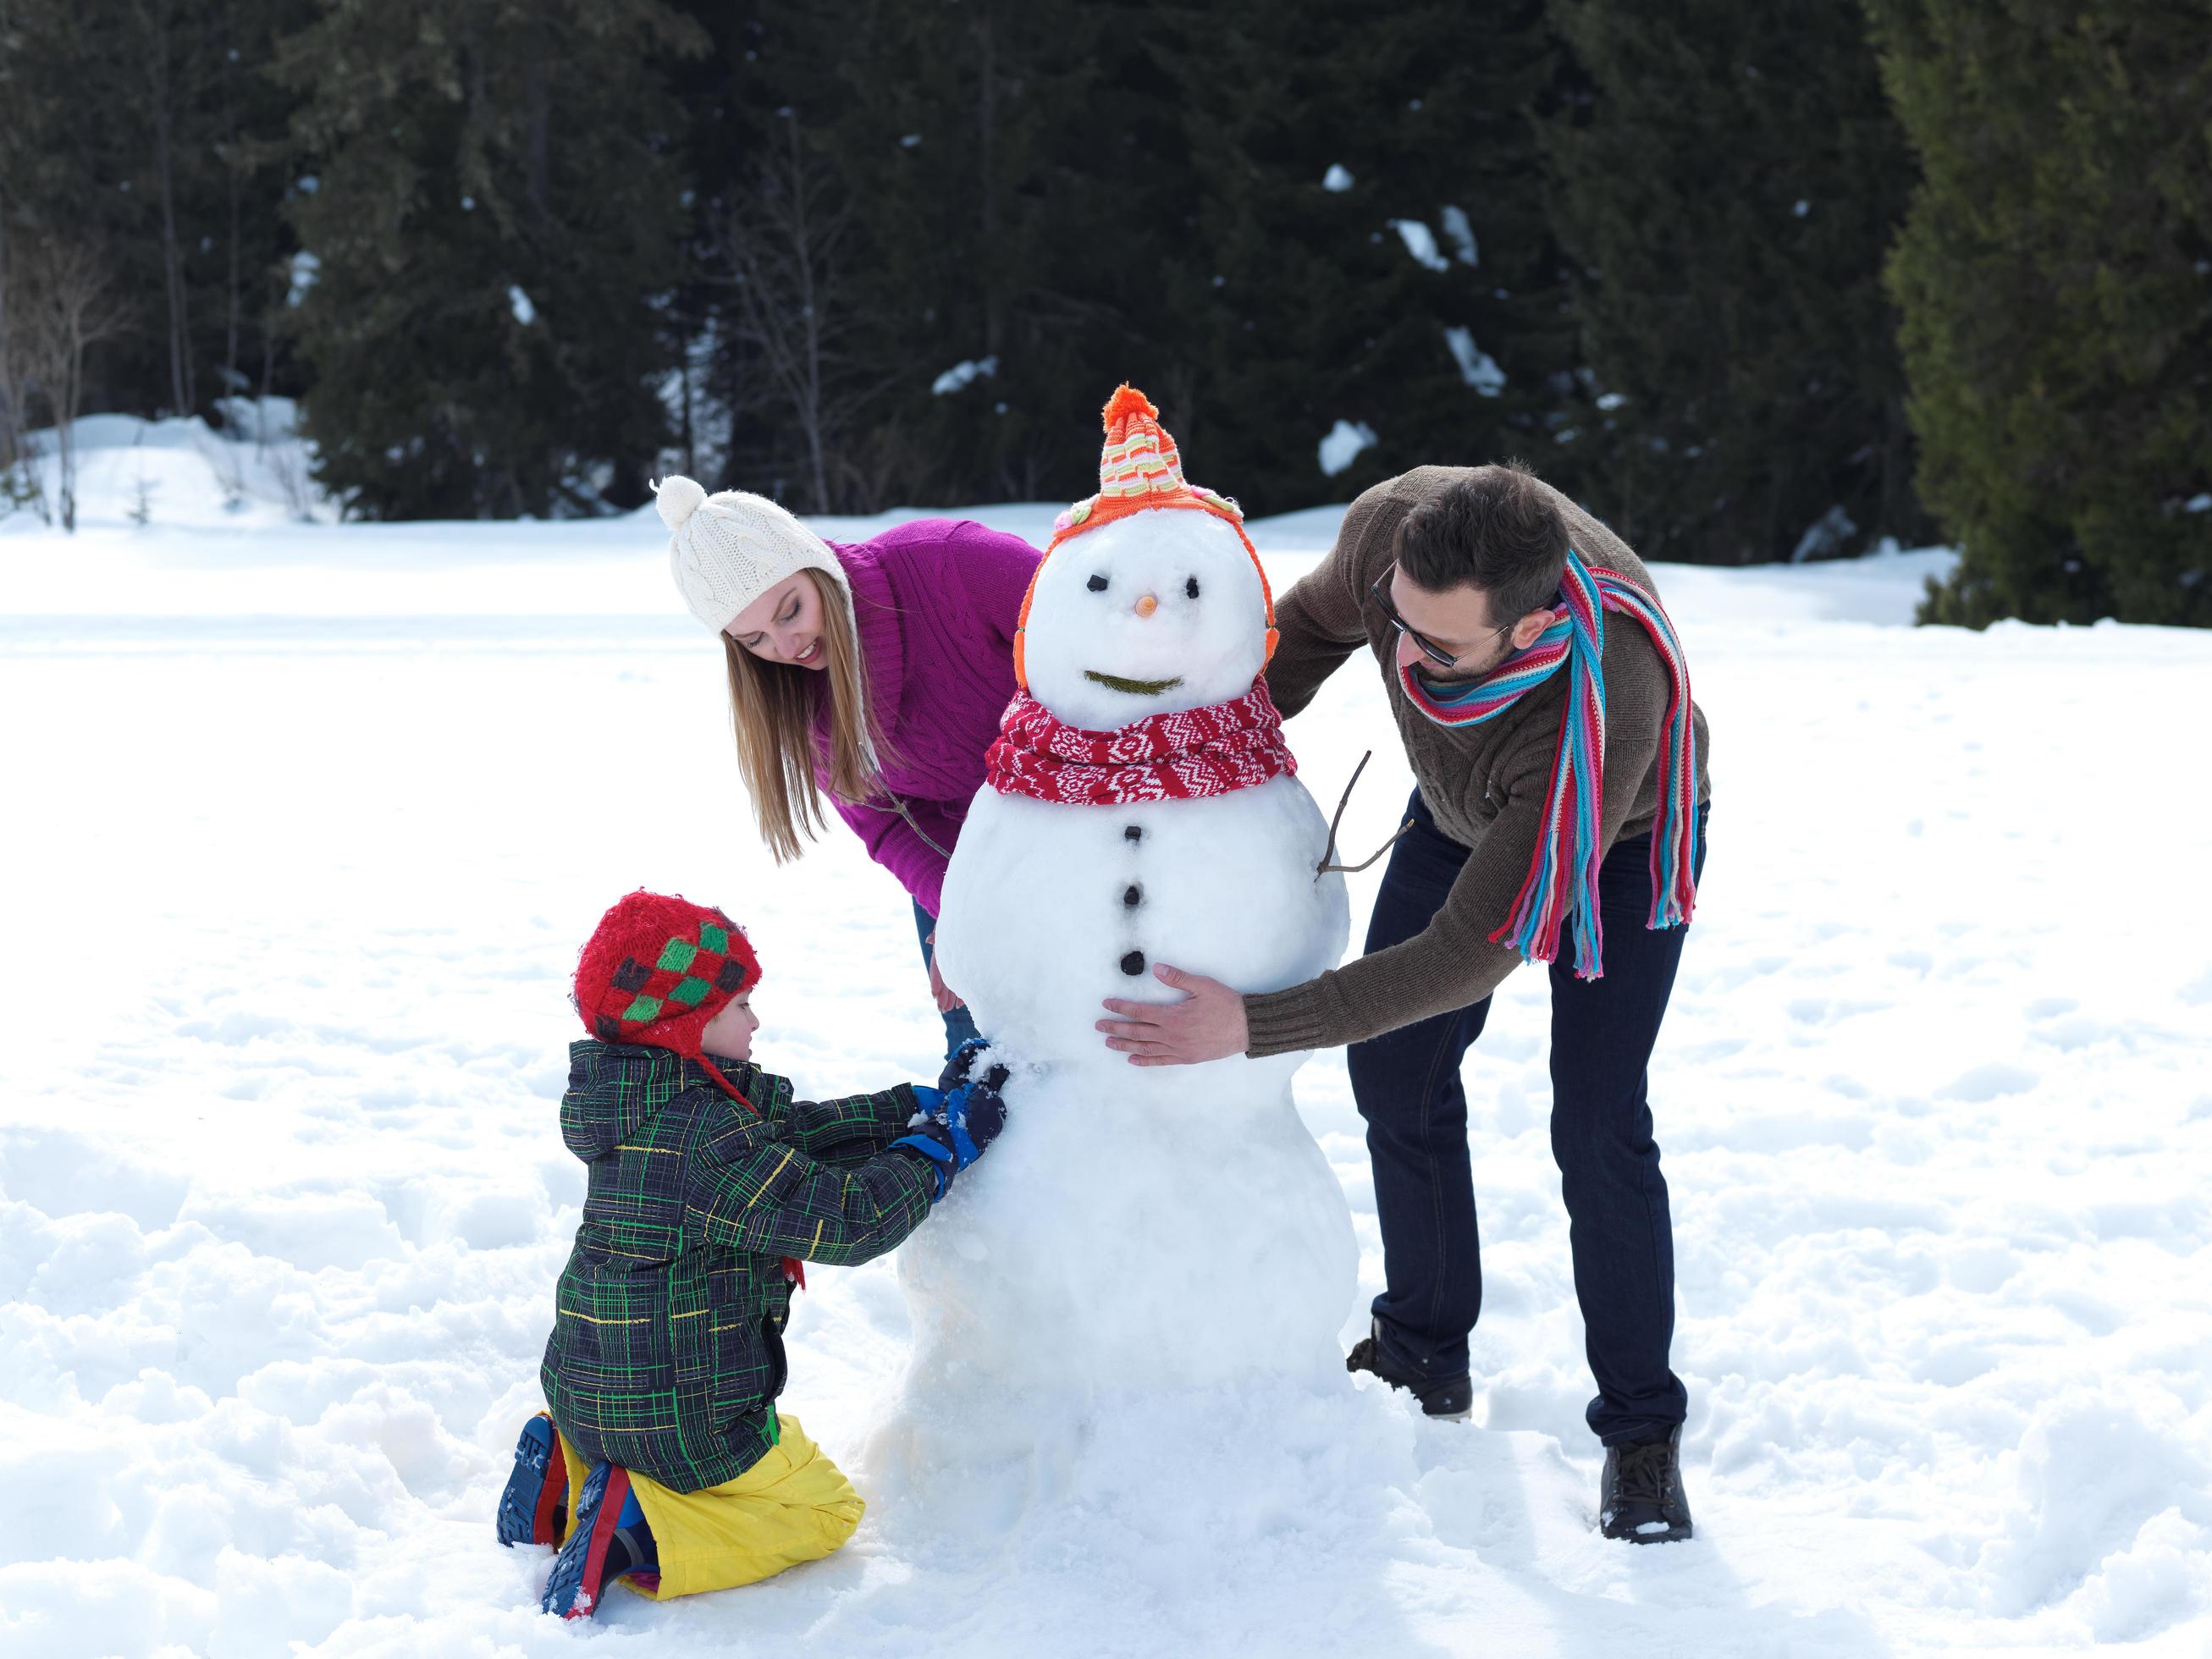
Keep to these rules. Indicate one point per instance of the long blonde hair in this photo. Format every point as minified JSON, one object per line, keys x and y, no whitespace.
{"x":772,"y":713}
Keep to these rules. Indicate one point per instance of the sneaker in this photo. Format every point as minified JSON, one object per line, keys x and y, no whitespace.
{"x":1450,"y":1398}
{"x":609,"y":1540}
{"x":534,"y":1507}
{"x":1640,"y":1496}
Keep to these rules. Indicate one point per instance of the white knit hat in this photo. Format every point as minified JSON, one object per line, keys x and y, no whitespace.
{"x":729,"y":549}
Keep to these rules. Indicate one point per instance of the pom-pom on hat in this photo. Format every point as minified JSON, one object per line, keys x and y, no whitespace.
{"x":729,"y":549}
{"x":657,"y":968}
{"x":1139,"y":469}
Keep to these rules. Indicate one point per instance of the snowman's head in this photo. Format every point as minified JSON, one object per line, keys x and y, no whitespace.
{"x":1148,"y":614}
{"x":1151,"y":599}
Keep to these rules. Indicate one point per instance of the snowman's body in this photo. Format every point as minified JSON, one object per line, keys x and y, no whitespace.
{"x":1136,"y":1227}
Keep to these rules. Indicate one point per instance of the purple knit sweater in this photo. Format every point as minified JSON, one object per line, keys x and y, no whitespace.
{"x":937,"y":601}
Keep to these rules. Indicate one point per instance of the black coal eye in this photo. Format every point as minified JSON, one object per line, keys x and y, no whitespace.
{"x":1191,"y":587}
{"x":1097,"y":584}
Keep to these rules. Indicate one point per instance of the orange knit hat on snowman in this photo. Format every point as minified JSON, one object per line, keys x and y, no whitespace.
{"x":1139,"y":469}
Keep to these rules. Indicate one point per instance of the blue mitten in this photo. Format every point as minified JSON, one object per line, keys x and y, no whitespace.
{"x":963,"y":1062}
{"x":953,"y":1127}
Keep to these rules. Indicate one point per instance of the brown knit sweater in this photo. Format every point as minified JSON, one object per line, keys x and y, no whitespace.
{"x":1484,"y":784}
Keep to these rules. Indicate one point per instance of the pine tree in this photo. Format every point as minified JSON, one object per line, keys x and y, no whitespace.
{"x":1059,"y":163}
{"x":496,"y":217}
{"x":2055,"y":276}
{"x":240,"y":256}
{"x":67,"y":171}
{"x":176,"y":180}
{"x":1727,"y":191}
{"x":1045,"y":199}
{"x":1367,"y":254}
{"x":993,"y":161}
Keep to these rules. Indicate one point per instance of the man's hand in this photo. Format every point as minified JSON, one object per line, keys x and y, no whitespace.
{"x":946,"y":1001}
{"x":1206,"y":1024}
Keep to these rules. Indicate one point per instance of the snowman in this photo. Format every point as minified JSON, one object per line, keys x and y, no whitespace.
{"x":1136,"y":1227}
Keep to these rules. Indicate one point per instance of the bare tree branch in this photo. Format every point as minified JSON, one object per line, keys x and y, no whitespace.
{"x":784,"y":242}
{"x":62,"y":301}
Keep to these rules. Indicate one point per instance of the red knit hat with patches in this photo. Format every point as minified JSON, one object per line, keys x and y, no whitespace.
{"x":658,"y":969}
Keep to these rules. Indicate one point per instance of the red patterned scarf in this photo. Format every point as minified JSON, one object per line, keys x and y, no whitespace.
{"x":1212,"y":751}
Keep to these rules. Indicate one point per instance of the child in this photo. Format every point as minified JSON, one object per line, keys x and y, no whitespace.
{"x":707,"y":1180}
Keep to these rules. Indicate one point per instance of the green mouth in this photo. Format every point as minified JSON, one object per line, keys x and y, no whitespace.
{"x":1135,"y":687}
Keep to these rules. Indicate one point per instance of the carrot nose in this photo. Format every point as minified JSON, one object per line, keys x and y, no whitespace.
{"x":1146,"y":606}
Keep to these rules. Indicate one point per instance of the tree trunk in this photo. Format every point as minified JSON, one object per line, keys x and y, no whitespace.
{"x":690,"y":446}
{"x":987,"y":116}
{"x":160,"y":72}
{"x":272,"y":298}
{"x":65,"y":430}
{"x":231,"y":377}
{"x":70,"y":310}
{"x":1899,"y":507}
{"x":810,"y":312}
{"x":11,"y":409}
{"x":537,"y":84}
{"x":782,"y":241}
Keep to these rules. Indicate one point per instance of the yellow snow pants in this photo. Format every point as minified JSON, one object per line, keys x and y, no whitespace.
{"x":793,"y":1505}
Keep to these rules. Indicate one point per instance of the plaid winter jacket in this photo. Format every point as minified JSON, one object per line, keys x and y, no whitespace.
{"x":667,"y":1348}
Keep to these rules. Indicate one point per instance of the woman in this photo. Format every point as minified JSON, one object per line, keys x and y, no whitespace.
{"x":874,"y":671}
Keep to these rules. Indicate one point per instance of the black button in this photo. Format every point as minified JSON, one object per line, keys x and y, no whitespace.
{"x":1131,"y":895}
{"x":1134,"y":963}
{"x":1134,"y":832}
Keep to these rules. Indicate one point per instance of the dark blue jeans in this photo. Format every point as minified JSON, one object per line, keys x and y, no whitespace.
{"x":958,"y":1026}
{"x":1407,"y":1083}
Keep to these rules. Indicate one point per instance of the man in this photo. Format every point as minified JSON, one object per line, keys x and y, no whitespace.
{"x":1533,"y":675}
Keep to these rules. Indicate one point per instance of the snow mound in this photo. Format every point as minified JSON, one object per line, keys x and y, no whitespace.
{"x":301,"y":864}
{"x":253,"y":474}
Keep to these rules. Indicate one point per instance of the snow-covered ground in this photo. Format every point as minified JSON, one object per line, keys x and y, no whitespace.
{"x":309,"y":822}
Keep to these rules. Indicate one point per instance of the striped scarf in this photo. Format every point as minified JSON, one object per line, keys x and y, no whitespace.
{"x":1563,"y":877}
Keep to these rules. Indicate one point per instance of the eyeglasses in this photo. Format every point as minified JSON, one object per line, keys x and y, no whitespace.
{"x":1380,"y":592}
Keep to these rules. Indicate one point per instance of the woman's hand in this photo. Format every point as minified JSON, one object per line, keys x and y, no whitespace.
{"x":946,"y":1002}
{"x":1207,"y":1025}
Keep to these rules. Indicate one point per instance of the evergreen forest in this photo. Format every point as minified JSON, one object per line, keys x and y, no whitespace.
{"x":1753,"y":281}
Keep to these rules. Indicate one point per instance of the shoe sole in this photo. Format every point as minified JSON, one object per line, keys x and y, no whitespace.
{"x":579,"y":1572}
{"x":1407,"y":1387}
{"x":1672,"y":1535}
{"x":536,"y":1489}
